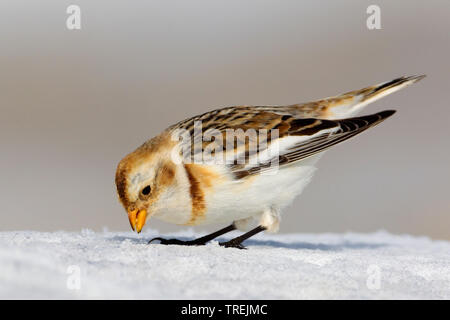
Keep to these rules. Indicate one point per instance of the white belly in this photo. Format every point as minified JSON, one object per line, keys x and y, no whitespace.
{"x":252,"y":196}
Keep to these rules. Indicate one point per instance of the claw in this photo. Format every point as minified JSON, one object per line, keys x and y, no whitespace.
{"x":157,"y":238}
{"x":232,"y":244}
{"x":177,"y":242}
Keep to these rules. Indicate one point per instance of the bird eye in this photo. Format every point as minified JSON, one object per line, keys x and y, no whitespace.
{"x":146,"y":191}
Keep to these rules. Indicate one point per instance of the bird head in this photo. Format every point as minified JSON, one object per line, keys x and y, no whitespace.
{"x":145,"y":179}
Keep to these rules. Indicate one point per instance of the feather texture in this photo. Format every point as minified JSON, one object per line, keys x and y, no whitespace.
{"x":288,"y":138}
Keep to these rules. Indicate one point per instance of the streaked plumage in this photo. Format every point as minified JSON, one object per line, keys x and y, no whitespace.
{"x":189,"y":193}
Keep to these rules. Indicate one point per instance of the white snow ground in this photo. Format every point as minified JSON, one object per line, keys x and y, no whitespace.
{"x":297,"y":266}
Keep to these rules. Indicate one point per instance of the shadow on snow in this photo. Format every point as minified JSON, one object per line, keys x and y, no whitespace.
{"x":272,"y":243}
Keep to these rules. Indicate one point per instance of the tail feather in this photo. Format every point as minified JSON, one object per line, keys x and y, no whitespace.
{"x":371,"y":94}
{"x":349,"y":104}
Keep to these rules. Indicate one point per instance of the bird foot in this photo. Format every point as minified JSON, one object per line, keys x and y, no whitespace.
{"x":232,"y":244}
{"x":178,"y":242}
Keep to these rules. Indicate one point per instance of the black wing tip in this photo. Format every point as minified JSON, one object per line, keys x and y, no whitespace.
{"x":364,"y":122}
{"x":386,"y":114}
{"x":374,"y":117}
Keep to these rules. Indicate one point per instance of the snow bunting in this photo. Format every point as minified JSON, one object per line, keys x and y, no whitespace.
{"x":193,"y":173}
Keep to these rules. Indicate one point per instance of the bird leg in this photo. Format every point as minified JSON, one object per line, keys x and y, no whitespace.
{"x":196,"y":242}
{"x":237,"y":242}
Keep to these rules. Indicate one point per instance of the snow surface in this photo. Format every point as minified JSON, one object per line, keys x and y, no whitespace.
{"x":297,"y":266}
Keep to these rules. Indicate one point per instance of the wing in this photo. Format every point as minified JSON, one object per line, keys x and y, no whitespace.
{"x":302,"y":129}
{"x":307,"y":137}
{"x":248,"y":140}
{"x":337,"y":107}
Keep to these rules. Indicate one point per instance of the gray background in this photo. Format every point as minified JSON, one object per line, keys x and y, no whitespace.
{"x":73,"y":103}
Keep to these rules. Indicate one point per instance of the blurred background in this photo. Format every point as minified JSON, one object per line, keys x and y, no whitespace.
{"x":74,"y":102}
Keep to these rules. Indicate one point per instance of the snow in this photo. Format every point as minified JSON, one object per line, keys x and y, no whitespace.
{"x":92,"y":265}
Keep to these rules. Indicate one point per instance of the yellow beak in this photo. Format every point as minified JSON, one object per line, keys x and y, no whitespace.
{"x":137,"y":219}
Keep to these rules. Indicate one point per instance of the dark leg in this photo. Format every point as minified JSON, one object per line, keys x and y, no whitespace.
{"x":237,"y":242}
{"x":199,"y":241}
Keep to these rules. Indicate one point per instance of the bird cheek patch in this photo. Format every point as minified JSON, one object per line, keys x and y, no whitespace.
{"x":166,"y":175}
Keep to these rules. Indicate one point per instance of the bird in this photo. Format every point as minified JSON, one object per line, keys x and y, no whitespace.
{"x":194,"y":174}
